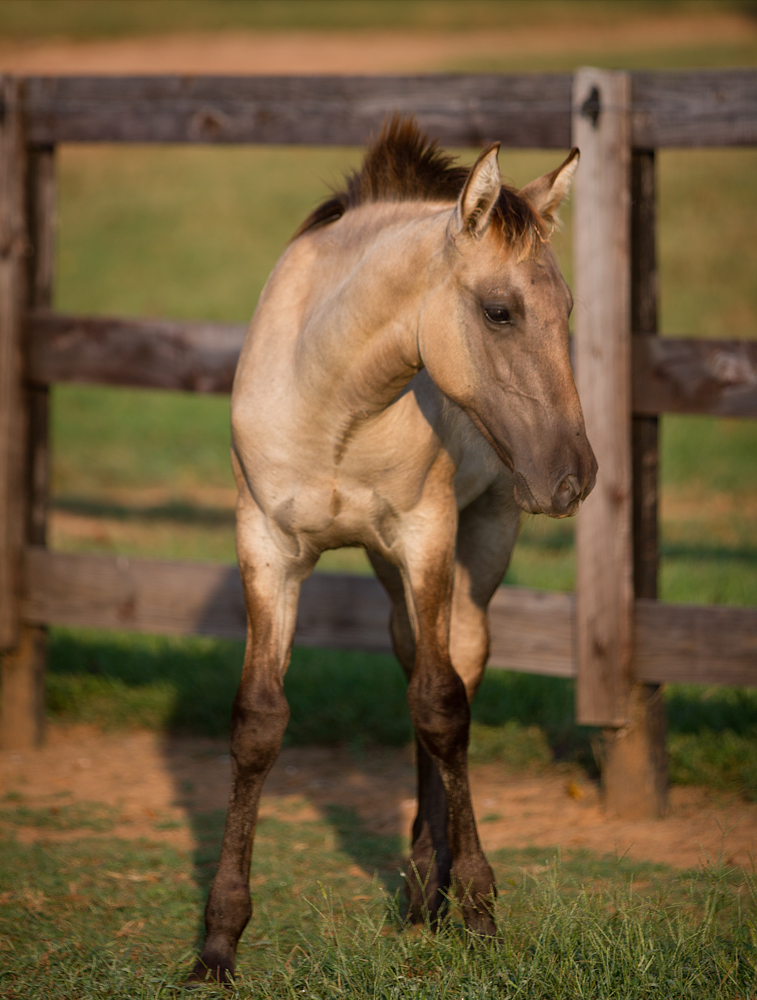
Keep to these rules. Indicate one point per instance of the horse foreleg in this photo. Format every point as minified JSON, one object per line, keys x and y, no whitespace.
{"x":486,"y":534}
{"x":428,"y":874}
{"x":439,"y":707}
{"x":259,"y":718}
{"x":441,"y":716}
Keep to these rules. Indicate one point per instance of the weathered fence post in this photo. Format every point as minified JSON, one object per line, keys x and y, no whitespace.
{"x":635,"y":766}
{"x":604,"y":570}
{"x":602,"y":261}
{"x":26,"y":186}
{"x":617,"y":529}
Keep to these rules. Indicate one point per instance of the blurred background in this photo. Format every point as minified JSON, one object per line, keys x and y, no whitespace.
{"x":193,"y":232}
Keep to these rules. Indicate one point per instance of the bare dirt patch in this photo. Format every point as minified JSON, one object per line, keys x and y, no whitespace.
{"x":153,"y":786}
{"x":364,"y":51}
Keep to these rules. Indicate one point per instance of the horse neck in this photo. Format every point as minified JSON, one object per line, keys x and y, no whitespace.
{"x":362,"y":346}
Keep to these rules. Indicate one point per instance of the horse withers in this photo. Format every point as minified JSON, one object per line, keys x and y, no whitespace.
{"x":405,"y":386}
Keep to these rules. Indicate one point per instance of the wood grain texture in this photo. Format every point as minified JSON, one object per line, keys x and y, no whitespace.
{"x":23,"y":706}
{"x":335,"y":610}
{"x":634,"y":758}
{"x":688,"y":375}
{"x":22,"y":716}
{"x":531,"y":630}
{"x":13,"y":415}
{"x":604,"y":558}
{"x":182,"y":598}
{"x":694,"y":108}
{"x":525,"y":110}
{"x":679,"y":375}
{"x":158,"y":354}
{"x":41,"y":200}
{"x":679,"y":643}
{"x":688,"y":108}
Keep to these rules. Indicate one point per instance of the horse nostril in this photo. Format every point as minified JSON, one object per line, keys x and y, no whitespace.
{"x":569,"y":489}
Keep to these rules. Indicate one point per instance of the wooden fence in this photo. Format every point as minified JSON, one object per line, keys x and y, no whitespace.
{"x":614,"y":636}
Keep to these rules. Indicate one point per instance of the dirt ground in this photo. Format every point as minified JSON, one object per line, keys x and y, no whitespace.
{"x":155,"y":784}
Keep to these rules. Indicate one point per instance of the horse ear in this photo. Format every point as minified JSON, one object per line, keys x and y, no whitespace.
{"x":479,"y":196}
{"x":547,"y":193}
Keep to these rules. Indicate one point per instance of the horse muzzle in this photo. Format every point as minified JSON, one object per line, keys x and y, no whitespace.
{"x":568,"y":493}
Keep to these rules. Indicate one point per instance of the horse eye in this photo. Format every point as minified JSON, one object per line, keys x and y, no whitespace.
{"x":497,"y":314}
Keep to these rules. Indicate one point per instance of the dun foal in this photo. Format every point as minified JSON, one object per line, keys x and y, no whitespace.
{"x":404,"y":386}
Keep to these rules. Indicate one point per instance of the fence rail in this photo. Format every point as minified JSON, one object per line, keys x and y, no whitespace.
{"x":673,"y":642}
{"x":670,"y":374}
{"x":622,"y":642}
{"x":701,"y":108}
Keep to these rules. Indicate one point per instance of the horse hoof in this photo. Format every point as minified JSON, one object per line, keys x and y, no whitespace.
{"x":480,"y":926}
{"x":426,"y":897}
{"x":210,"y":971}
{"x":426,"y":911}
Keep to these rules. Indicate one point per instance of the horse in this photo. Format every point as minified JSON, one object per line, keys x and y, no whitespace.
{"x":405,"y":386}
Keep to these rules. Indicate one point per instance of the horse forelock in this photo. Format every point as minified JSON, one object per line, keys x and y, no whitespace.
{"x":518,"y":224}
{"x":403,"y":164}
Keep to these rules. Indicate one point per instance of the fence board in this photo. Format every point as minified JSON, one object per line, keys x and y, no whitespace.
{"x":532,"y":631}
{"x":692,"y":644}
{"x":690,"y":108}
{"x":672,"y":375}
{"x":338,"y":611}
{"x":696,"y":108}
{"x":532,"y":110}
{"x":150,"y":353}
{"x":180,"y":598}
{"x":678,"y":375}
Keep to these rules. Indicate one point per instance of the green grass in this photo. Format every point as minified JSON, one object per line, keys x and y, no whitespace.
{"x":358,"y":699}
{"x":194,"y":231}
{"x":66,"y":816}
{"x":103,"y":918}
{"x":632,"y":56}
{"x":90,"y":19}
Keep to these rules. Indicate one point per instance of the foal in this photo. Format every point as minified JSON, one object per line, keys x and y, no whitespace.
{"x":404,"y":386}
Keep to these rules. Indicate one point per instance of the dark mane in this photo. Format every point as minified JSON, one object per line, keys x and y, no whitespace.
{"x":403,"y":164}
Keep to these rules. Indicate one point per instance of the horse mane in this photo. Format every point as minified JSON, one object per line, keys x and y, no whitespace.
{"x":403,"y":164}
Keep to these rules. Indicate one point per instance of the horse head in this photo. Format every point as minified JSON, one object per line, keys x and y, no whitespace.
{"x":493,"y":334}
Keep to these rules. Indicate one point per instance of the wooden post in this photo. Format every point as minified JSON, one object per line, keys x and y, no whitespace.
{"x":635,"y":774}
{"x":41,"y":213}
{"x":26,"y":269}
{"x":602,"y":227}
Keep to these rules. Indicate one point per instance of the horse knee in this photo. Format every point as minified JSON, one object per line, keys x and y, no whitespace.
{"x":441,"y":714}
{"x":258,"y":721}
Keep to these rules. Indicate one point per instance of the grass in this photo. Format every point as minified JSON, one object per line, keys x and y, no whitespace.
{"x":103,"y":918}
{"x":90,"y":19}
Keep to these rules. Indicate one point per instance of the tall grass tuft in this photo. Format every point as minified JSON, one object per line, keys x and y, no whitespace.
{"x":557,"y":940}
